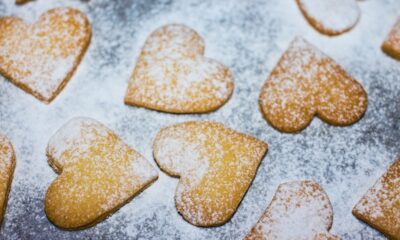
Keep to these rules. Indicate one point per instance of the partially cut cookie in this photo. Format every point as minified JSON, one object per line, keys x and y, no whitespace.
{"x":7,"y":166}
{"x":305,"y":83}
{"x":172,"y":74}
{"x":300,"y":210}
{"x":330,"y":17}
{"x":380,"y":206}
{"x":98,"y":174}
{"x":41,"y":58}
{"x":216,"y":166}
{"x":391,"y":45}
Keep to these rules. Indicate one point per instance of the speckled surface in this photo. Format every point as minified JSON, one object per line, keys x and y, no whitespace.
{"x":246,"y":36}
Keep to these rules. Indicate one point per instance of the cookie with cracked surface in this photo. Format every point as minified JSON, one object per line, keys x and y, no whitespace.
{"x":216,"y":166}
{"x":98,"y":173}
{"x":172,"y":74}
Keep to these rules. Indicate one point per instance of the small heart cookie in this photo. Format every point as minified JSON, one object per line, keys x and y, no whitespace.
{"x":7,"y":166}
{"x":41,"y":58}
{"x":98,"y":174}
{"x":216,"y":166}
{"x":330,"y":17}
{"x":305,"y":83}
{"x":172,"y":74}
{"x":299,"y":210}
{"x":391,"y":45}
{"x":380,"y":206}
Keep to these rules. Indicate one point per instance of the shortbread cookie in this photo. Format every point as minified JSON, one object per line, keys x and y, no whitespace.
{"x":305,"y":83}
{"x":380,"y":206}
{"x":300,"y":210}
{"x":391,"y":45}
{"x":216,"y":166}
{"x":7,"y":166}
{"x":330,"y":17}
{"x":98,"y":174}
{"x":42,"y":57}
{"x":172,"y":74}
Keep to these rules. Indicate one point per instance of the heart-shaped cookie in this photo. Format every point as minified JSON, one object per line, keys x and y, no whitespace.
{"x":300,"y":210}
{"x":391,"y":45}
{"x":330,"y":17}
{"x":172,"y":74}
{"x":305,"y":83}
{"x":98,"y":174}
{"x":380,"y":206}
{"x":216,"y":166}
{"x":41,"y":58}
{"x":7,"y":166}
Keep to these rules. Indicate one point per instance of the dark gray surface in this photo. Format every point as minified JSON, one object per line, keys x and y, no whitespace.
{"x":248,"y":37}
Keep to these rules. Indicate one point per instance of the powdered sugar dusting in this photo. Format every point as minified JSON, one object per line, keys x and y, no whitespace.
{"x":306,"y":82}
{"x":98,"y":174}
{"x":380,"y":206}
{"x":216,"y":166}
{"x":172,"y":74}
{"x":331,"y":17}
{"x":299,"y":210}
{"x":40,"y":58}
{"x":248,"y":37}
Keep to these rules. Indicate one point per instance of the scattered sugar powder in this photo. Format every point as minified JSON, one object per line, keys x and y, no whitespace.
{"x":248,"y":37}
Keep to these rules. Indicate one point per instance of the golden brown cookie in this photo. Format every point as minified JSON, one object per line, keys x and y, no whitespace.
{"x":216,"y":166}
{"x":172,"y":74}
{"x":330,"y":17}
{"x":41,"y":58}
{"x":305,"y":83}
{"x":391,"y":45}
{"x":98,"y":174}
{"x":21,"y":1}
{"x":380,"y":206}
{"x":300,"y":210}
{"x":7,"y":166}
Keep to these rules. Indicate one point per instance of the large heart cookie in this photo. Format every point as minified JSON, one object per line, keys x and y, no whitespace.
{"x":42,"y":57}
{"x":330,"y":17}
{"x":300,"y":210}
{"x":391,"y":45}
{"x":172,"y":74}
{"x":216,"y":166}
{"x":7,"y":166}
{"x":380,"y":206}
{"x":98,"y":174}
{"x":305,"y":83}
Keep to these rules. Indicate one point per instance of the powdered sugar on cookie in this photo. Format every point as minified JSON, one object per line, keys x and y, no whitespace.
{"x":98,"y":174}
{"x":380,"y":206}
{"x":172,"y":74}
{"x":7,"y":165}
{"x":299,"y":210}
{"x":305,"y":83}
{"x":216,"y":166}
{"x":331,"y":17}
{"x":41,"y":58}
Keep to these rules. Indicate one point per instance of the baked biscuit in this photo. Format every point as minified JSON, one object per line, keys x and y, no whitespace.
{"x":380,"y":206}
{"x":172,"y":74}
{"x":300,"y":210}
{"x":7,"y":166}
{"x":305,"y":83}
{"x":216,"y":166}
{"x":391,"y":45}
{"x":41,"y":58}
{"x":330,"y":17}
{"x":98,"y":174}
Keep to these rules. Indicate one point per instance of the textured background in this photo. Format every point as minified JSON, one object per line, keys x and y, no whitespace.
{"x":248,"y":37}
